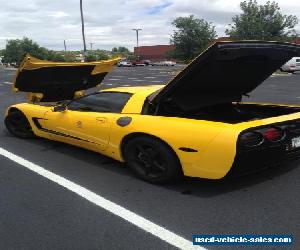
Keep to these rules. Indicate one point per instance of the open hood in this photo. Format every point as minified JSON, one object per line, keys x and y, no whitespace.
{"x":223,"y":73}
{"x":58,"y":81}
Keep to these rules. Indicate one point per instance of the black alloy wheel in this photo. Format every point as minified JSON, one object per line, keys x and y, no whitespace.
{"x":152,"y":160}
{"x":18,"y":125}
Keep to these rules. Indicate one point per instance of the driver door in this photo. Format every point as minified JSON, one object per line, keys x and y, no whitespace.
{"x":86,"y":121}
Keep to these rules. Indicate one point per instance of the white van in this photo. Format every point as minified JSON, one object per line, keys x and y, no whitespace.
{"x":292,"y":65}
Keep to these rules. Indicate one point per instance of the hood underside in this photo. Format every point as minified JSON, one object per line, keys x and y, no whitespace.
{"x":223,"y":73}
{"x":59,"y":81}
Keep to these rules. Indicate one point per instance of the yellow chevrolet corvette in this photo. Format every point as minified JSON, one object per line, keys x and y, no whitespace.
{"x":196,"y":125}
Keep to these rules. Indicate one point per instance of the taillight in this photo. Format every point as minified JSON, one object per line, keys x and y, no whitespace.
{"x":273,"y":134}
{"x":251,"y":139}
{"x":257,"y":137}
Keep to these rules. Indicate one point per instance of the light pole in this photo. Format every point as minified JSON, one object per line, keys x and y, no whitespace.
{"x":65,"y":45}
{"x":82,"y":29}
{"x":137,"y":43}
{"x":91,"y":44}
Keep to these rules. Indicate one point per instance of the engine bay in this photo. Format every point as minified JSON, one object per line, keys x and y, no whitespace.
{"x":232,"y":112}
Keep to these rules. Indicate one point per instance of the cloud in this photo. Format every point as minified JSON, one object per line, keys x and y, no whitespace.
{"x":109,"y":23}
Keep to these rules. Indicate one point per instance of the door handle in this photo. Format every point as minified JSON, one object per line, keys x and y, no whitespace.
{"x":101,"y":119}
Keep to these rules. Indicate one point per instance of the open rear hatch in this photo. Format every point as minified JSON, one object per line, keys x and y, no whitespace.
{"x":220,"y":75}
{"x":58,"y":81}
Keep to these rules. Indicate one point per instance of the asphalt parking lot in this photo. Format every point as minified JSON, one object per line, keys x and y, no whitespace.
{"x":37,"y":213}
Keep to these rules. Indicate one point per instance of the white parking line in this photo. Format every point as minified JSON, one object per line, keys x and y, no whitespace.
{"x":113,"y":79}
{"x":8,"y":83}
{"x":150,"y":77}
{"x":138,"y":80}
{"x":131,"y":217}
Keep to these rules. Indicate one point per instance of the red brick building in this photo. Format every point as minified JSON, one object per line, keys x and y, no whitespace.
{"x":297,"y":41}
{"x":159,"y":52}
{"x":153,"y":53}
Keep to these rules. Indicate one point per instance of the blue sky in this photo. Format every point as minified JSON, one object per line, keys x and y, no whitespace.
{"x":158,"y":8}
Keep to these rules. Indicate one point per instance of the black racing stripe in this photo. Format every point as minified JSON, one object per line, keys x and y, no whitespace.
{"x":39,"y":126}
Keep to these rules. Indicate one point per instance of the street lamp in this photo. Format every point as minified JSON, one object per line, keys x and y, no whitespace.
{"x":137,"y":42}
{"x":65,"y":45}
{"x":91,"y":44}
{"x":82,"y":29}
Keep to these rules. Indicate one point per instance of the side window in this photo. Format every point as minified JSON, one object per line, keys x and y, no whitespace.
{"x":297,"y":60}
{"x":112,"y":102}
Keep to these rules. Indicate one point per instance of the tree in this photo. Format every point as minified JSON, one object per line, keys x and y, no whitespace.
{"x":101,"y":54}
{"x":54,"y":56}
{"x":70,"y":56}
{"x":16,"y":49}
{"x":262,"y":22}
{"x":191,"y":37}
{"x":121,"y":50}
{"x":91,"y":57}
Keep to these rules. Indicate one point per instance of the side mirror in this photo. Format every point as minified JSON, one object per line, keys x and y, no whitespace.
{"x":60,"y":108}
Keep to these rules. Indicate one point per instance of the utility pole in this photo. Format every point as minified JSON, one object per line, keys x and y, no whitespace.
{"x":82,"y":29}
{"x":137,"y":43}
{"x":65,"y":45}
{"x":91,"y":44}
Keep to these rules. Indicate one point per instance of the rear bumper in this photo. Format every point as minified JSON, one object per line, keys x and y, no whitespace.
{"x":252,"y":162}
{"x":269,"y":155}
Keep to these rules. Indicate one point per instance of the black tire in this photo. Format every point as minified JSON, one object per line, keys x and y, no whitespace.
{"x":18,"y":125}
{"x":152,"y":160}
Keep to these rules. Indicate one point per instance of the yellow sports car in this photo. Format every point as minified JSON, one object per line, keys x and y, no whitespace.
{"x":196,"y":125}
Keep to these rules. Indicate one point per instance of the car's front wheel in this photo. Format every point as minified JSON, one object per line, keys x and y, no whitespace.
{"x":18,"y":125}
{"x":152,"y":160}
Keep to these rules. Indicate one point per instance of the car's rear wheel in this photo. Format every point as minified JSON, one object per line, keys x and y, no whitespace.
{"x":152,"y":160}
{"x":18,"y":125}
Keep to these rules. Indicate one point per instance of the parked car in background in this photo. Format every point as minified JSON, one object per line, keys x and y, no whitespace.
{"x":292,"y":65}
{"x":169,"y":63}
{"x":139,"y":63}
{"x":147,"y":62}
{"x":163,"y":63}
{"x":124,"y":64}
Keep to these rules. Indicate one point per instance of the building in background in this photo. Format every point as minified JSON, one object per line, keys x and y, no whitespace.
{"x":158,"y":53}
{"x":154,"y":53}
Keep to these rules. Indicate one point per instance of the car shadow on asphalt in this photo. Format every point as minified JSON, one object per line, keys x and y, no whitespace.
{"x":186,"y":186}
{"x":208,"y":188}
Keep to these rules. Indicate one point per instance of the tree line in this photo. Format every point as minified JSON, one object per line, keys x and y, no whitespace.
{"x":190,"y":36}
{"x":256,"y":22}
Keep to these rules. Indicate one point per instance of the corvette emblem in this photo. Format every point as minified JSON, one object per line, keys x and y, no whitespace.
{"x":79,"y":124}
